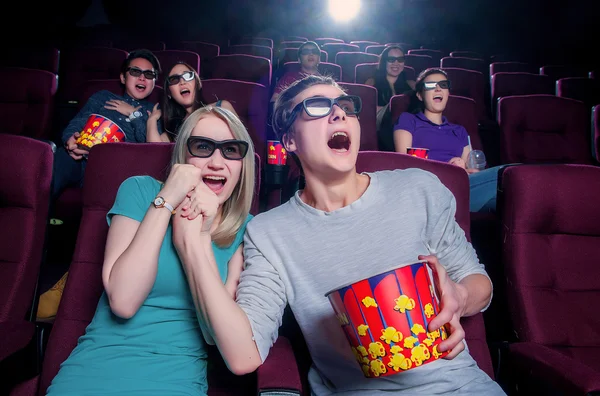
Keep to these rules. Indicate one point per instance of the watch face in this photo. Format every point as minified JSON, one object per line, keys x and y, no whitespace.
{"x":137,"y":113}
{"x":159,"y":201}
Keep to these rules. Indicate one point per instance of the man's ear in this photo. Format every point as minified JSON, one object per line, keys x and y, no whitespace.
{"x":122,"y":78}
{"x":419,"y":96}
{"x":289,"y":143}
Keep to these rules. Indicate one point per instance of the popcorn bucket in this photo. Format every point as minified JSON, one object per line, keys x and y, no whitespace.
{"x":418,"y":152}
{"x":276,"y":155}
{"x":99,"y":129}
{"x":385,"y":319}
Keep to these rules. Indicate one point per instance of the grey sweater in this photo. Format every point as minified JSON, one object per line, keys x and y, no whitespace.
{"x":295,"y":254}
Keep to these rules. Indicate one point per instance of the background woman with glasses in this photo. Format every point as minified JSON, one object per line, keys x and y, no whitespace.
{"x":446,"y":142}
{"x":390,"y":77}
{"x":183,"y":96}
{"x":148,"y":335}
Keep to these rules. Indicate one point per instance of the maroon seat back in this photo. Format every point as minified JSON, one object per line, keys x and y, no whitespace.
{"x":463,"y":63}
{"x":368,"y":114}
{"x":518,"y":83}
{"x":551,"y":230}
{"x":551,"y":227}
{"x":44,"y":58}
{"x":108,"y":167}
{"x":543,"y":129}
{"x":327,"y":40}
{"x":83,"y":64}
{"x":349,"y":60}
{"x":27,"y":102}
{"x":207,"y":51}
{"x":25,"y":180}
{"x":512,"y":67}
{"x":466,"y":54}
{"x":325,"y":68}
{"x":398,"y":105}
{"x":457,"y":182}
{"x":596,"y":132}
{"x":435,"y":55}
{"x":169,"y":58}
{"x":364,"y":71}
{"x":463,"y":111}
{"x":556,"y":72}
{"x":419,"y":62}
{"x":291,"y":44}
{"x":332,"y":49}
{"x":249,"y":101}
{"x":375,"y":49}
{"x":363,"y":44}
{"x":114,"y":86}
{"x":470,"y":84}
{"x":242,"y":67}
{"x":251,"y":49}
{"x":584,"y":89}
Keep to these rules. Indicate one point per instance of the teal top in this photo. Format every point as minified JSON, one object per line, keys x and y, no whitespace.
{"x":160,"y":350}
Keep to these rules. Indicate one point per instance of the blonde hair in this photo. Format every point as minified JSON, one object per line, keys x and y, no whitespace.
{"x":236,"y":208}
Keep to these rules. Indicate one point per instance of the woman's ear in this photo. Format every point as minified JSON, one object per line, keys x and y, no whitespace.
{"x":288,"y":143}
{"x":419,"y":96}
{"x":122,"y":76}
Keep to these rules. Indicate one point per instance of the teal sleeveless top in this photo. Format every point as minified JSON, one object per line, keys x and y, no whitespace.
{"x":160,"y":350}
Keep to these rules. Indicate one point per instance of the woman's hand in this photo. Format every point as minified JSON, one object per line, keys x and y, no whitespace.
{"x":201,"y":202}
{"x":457,"y":161}
{"x":121,"y":106}
{"x":182,"y":180}
{"x":155,"y":115}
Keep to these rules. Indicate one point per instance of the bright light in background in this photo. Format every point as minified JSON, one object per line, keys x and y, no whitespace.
{"x":344,"y":10}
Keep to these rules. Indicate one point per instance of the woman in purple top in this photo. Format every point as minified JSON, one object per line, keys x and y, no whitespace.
{"x":446,"y":142}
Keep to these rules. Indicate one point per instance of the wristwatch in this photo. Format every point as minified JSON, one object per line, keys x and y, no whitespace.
{"x":159,"y":202}
{"x":134,"y":115}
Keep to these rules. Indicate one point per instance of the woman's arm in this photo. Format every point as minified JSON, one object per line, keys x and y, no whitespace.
{"x":234,"y":270}
{"x":402,"y":140}
{"x":152,"y":134}
{"x":370,"y":81}
{"x":223,"y":320}
{"x":131,"y":259}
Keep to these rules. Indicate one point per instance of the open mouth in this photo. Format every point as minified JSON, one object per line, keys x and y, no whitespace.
{"x":339,"y":142}
{"x":140,"y":87}
{"x":438,"y":98}
{"x":215,"y":183}
{"x":184,"y":92}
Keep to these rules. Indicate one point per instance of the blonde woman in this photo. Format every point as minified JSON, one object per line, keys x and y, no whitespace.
{"x":147,"y":334}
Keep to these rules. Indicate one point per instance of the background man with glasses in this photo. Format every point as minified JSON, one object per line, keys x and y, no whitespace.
{"x":129,"y":112}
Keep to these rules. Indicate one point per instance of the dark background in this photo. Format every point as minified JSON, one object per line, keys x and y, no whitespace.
{"x":532,"y":29}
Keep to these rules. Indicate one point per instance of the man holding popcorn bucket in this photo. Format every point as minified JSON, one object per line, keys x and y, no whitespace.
{"x":107,"y":118}
{"x":374,"y":266}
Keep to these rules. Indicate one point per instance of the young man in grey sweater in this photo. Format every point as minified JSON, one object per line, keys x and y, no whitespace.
{"x":342,"y":227}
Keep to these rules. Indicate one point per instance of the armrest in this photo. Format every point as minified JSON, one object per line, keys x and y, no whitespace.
{"x":559,"y":370}
{"x":15,"y":335}
{"x":26,"y":388}
{"x":279,"y":374}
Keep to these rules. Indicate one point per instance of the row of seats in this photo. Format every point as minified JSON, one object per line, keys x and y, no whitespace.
{"x":551,"y":315}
